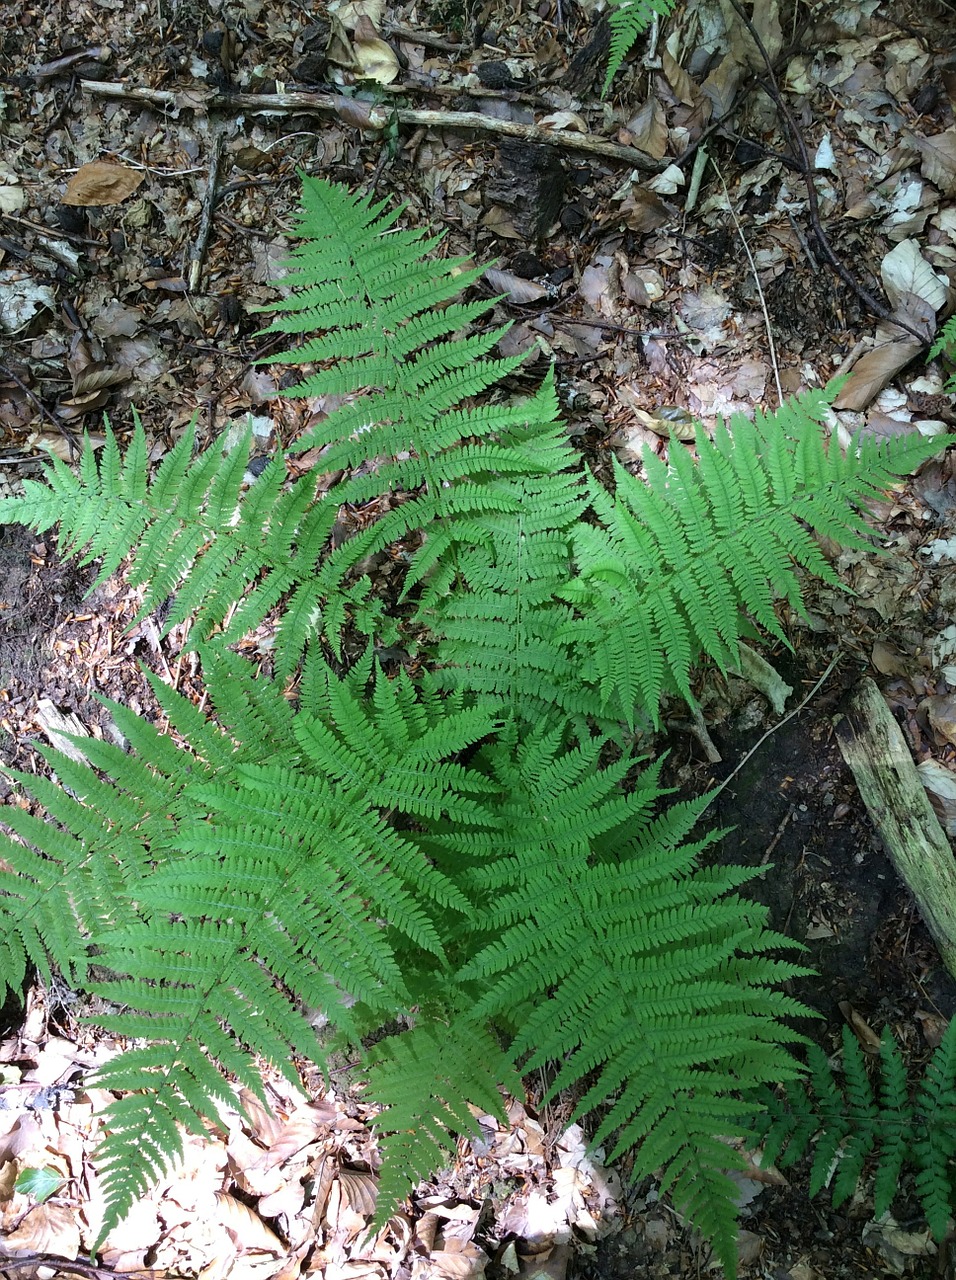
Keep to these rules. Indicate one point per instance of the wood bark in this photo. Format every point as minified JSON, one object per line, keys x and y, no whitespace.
{"x":874,"y":748}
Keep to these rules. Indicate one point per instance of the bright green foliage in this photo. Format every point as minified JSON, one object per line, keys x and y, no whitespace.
{"x":628,"y":20}
{"x":468,"y":871}
{"x":674,"y":562}
{"x":191,"y":533}
{"x":945,"y":345}
{"x":856,"y":1120}
{"x":425,"y":1080}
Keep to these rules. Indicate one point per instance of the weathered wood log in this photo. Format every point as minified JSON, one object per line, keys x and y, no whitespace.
{"x":874,"y":748}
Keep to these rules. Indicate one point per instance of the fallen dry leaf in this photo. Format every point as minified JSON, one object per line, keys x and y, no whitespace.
{"x":374,"y":59}
{"x":101,"y":183}
{"x":939,"y":160}
{"x":874,"y":370}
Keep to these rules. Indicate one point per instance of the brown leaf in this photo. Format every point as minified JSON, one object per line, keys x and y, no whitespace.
{"x":678,"y":79}
{"x":942,"y":716}
{"x":360,"y":115}
{"x":97,"y":375}
{"x":868,"y":1040}
{"x":643,"y":210}
{"x":888,"y":660}
{"x":648,"y":129}
{"x":101,"y":183}
{"x":873,"y":371}
{"x":515,"y":288}
{"x":939,"y":160}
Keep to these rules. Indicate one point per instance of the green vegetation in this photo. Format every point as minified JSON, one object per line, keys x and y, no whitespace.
{"x":472,"y":859}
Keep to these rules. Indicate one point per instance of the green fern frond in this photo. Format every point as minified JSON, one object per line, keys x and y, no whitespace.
{"x":628,"y":20}
{"x":677,"y":561}
{"x":682,"y":988}
{"x":425,"y":1080}
{"x":853,"y":1122}
{"x":191,"y":533}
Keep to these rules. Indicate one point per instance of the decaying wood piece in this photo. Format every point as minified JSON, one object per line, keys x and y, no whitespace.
{"x":876,"y":751}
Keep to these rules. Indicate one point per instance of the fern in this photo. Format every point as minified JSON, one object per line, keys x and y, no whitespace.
{"x":191,"y":534}
{"x":856,"y":1121}
{"x":473,"y":856}
{"x":426,"y":1081}
{"x":675,"y":564}
{"x":629,"y":19}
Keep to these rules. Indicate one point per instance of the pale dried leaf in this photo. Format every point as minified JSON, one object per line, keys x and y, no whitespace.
{"x":904,"y":271}
{"x":940,"y":784}
{"x":874,"y":370}
{"x":515,"y":288}
{"x":247,"y":1228}
{"x":359,"y":1191}
{"x":374,"y":58}
{"x":99,"y":183}
{"x":565,"y":120}
{"x":939,"y":160}
{"x":941,"y":710}
{"x":301,"y":1128}
{"x":49,"y":1228}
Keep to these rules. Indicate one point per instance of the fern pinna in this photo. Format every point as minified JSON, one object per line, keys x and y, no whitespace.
{"x":629,"y":19}
{"x":885,"y":1121}
{"x":474,"y":856}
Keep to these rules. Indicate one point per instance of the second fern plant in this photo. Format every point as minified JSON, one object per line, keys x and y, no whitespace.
{"x":473,"y":855}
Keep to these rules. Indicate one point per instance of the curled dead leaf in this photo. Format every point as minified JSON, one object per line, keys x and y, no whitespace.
{"x":669,"y":421}
{"x":101,"y":183}
{"x":874,"y":370}
{"x":360,"y":115}
{"x":374,"y":58}
{"x":515,"y":288}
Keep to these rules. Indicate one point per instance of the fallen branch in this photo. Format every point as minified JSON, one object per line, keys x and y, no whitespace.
{"x":365,"y":116}
{"x":208,"y":206}
{"x":875,"y":750}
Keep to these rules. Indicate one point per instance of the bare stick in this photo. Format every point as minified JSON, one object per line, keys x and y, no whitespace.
{"x":302,"y":103}
{"x":208,"y":206}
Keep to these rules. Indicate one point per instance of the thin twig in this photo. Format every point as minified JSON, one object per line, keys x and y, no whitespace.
{"x":837,"y":658}
{"x":756,"y":275}
{"x":771,"y":87}
{"x":44,"y":411}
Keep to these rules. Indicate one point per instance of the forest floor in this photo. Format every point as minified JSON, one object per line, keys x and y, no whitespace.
{"x":148,"y":186}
